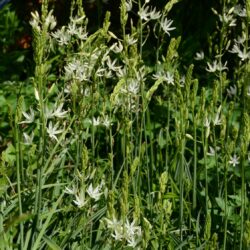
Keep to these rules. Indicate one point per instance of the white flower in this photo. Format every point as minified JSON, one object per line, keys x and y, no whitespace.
{"x":221,"y":67}
{"x":232,"y":91}
{"x":133,"y":87}
{"x":127,"y":231}
{"x":118,"y":235}
{"x":243,"y":55}
{"x":80,"y":199}
{"x":82,"y":74}
{"x":35,"y":22}
{"x":86,"y":92}
{"x":217,"y":120}
{"x":212,"y":67}
{"x":199,"y":56}
{"x":228,"y":19}
{"x":72,"y":29}
{"x":211,"y":151}
{"x":53,"y":130}
{"x":113,"y":224}
{"x":111,"y":65}
{"x":96,"y":121}
{"x":170,"y":78}
{"x":206,"y":122}
{"x":183,"y":80}
{"x":144,"y":13}
{"x":235,"y":49}
{"x":240,"y":39}
{"x":28,"y":139}
{"x":69,"y":70}
{"x":239,"y":11}
{"x":81,"y":33}
{"x":234,"y":160}
{"x":132,"y":233}
{"x":100,"y":72}
{"x":158,"y":75}
{"x":132,"y":242}
{"x":94,"y":193}
{"x":108,"y":74}
{"x":77,"y":70}
{"x":117,"y":47}
{"x":48,"y":112}
{"x":62,"y":36}
{"x":35,"y":16}
{"x":130,"y":40}
{"x":216,"y":66}
{"x":116,"y":227}
{"x":154,"y":14}
{"x":129,"y":5}
{"x":140,"y":74}
{"x":29,"y":117}
{"x":122,"y":72}
{"x":131,"y":229}
{"x":72,"y":67}
{"x":166,"y":25}
{"x":72,"y":190}
{"x":59,"y":113}
{"x":50,"y":21}
{"x":106,"y":122}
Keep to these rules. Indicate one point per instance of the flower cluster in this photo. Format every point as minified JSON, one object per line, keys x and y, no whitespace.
{"x":147,"y":13}
{"x":50,"y":113}
{"x":49,"y":24}
{"x":167,"y":77}
{"x":125,"y":231}
{"x":81,"y":198}
{"x":216,"y":66}
{"x":240,"y":49}
{"x":105,"y":121}
{"x":75,"y":29}
{"x":80,"y":68}
{"x":128,"y":95}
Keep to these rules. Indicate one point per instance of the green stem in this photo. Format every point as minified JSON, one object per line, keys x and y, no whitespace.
{"x":220,"y":52}
{"x":168,"y":129}
{"x":242,"y":212}
{"x":151,"y":167}
{"x":195,"y":165}
{"x":226,"y":212}
{"x":216,"y":160}
{"x":182,"y":170}
{"x":40,"y":84}
{"x":18,"y":162}
{"x":204,"y":139}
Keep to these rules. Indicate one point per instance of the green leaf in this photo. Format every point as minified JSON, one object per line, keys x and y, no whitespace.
{"x":46,"y":223}
{"x":221,"y":203}
{"x":51,"y":243}
{"x":9,"y":155}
